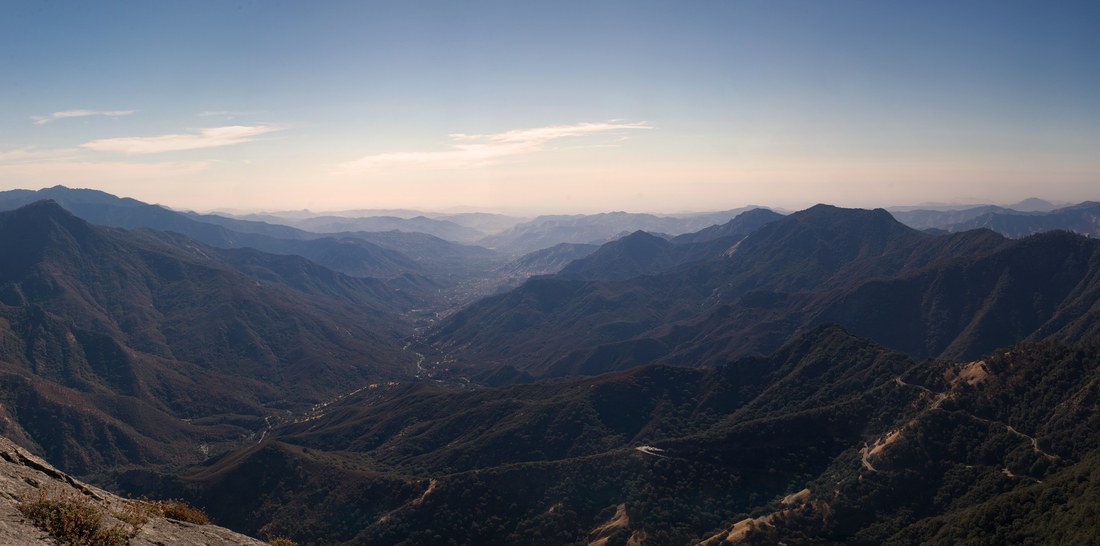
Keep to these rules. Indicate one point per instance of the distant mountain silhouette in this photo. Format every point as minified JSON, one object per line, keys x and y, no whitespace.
{"x":351,"y":256}
{"x":547,"y":231}
{"x":443,"y":229}
{"x":1025,"y":218}
{"x":941,"y":219}
{"x":1033,"y":204}
{"x":548,"y":260}
{"x":472,"y":225}
{"x":741,"y":225}
{"x":1083,"y":218}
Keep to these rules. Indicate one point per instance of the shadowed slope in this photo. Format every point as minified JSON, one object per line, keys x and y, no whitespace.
{"x":105,"y":326}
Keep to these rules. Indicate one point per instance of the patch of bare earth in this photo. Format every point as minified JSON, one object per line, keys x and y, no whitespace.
{"x":602,"y":533}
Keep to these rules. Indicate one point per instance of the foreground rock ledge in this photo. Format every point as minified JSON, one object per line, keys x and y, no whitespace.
{"x":23,"y":474}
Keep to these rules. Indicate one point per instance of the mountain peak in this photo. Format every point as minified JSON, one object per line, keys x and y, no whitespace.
{"x":42,"y":204}
{"x":1033,"y":204}
{"x":851,"y":221}
{"x":759,"y":212}
{"x":826,"y":209}
{"x":639,"y":236}
{"x":43,"y":209}
{"x":739,"y":226}
{"x":635,"y":254}
{"x":36,"y":230}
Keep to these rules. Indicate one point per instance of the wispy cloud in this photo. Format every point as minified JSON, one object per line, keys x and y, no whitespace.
{"x":471,"y":151}
{"x":211,"y":137}
{"x":227,"y":113}
{"x":42,"y":120}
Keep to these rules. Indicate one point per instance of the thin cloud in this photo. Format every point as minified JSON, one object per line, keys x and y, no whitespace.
{"x":211,"y":137}
{"x":472,"y":151}
{"x":42,"y":120}
{"x":543,"y":134}
{"x":226,"y":113}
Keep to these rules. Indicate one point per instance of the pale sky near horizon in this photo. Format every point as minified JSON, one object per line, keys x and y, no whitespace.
{"x":571,"y":106}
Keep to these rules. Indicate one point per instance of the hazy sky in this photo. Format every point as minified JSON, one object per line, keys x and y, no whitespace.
{"x":552,"y":105}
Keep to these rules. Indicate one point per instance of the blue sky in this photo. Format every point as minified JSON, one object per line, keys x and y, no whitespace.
{"x":552,"y":106}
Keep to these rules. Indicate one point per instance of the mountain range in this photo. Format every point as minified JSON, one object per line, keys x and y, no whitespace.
{"x":953,"y":295}
{"x":830,"y":376}
{"x":1028,"y":219}
{"x":508,"y":234}
{"x":545,"y":231}
{"x":450,"y":273}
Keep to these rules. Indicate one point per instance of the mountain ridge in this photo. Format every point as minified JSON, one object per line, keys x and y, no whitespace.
{"x":863,"y":270}
{"x":119,"y":335}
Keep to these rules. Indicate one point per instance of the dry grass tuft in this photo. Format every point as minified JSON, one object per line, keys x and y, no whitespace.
{"x":133,"y":513}
{"x":176,"y":509}
{"x":72,"y":519}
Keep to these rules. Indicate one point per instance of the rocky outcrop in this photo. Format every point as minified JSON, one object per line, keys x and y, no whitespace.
{"x":24,"y":477}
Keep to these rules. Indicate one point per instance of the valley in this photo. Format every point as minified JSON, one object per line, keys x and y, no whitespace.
{"x":768,"y":378}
